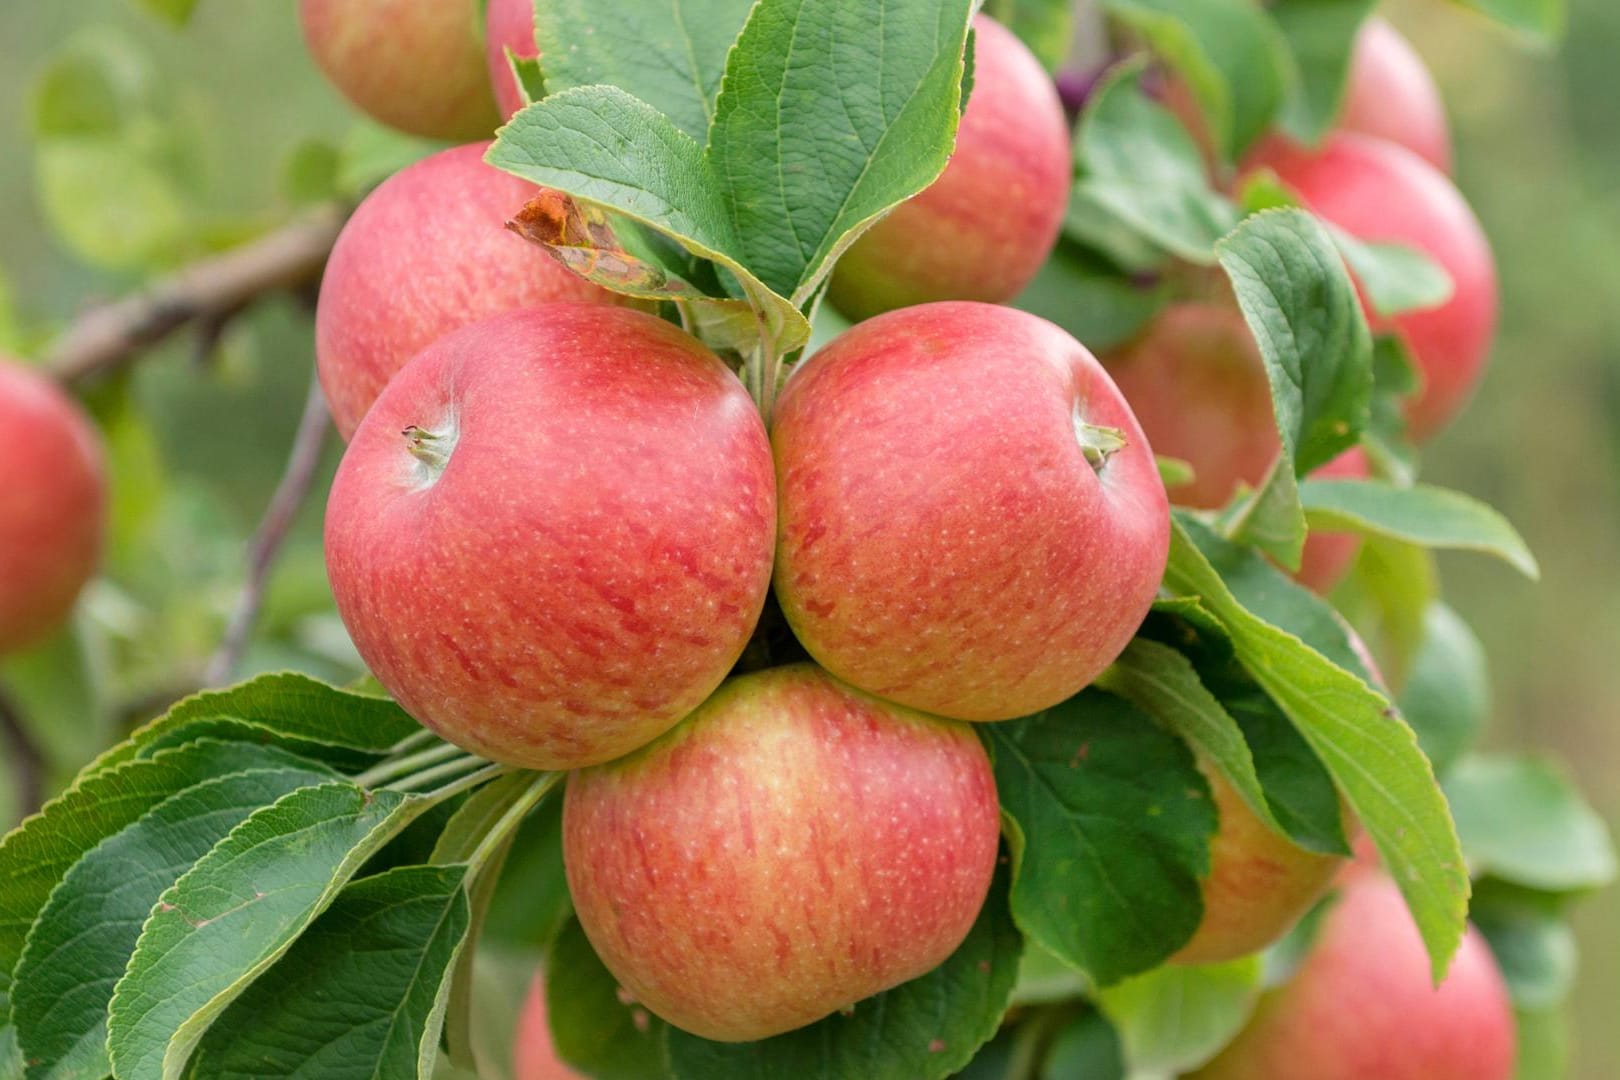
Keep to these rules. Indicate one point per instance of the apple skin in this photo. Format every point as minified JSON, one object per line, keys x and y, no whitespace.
{"x":534,"y":1056}
{"x":415,"y":65}
{"x":791,"y":848}
{"x":982,"y":230}
{"x":1362,"y":1005}
{"x":1196,"y":381}
{"x":508,"y":24}
{"x":426,"y":253}
{"x":1381,"y":192}
{"x":1391,"y":95}
{"x":53,"y":506}
{"x":593,"y":556}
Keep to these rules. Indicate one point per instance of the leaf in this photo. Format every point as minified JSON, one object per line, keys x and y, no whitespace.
{"x":1541,"y":21}
{"x":1176,"y":1018}
{"x":595,"y":1027}
{"x":1046,"y":26}
{"x":1096,"y":303}
{"x":669,"y":53}
{"x":1137,"y":163}
{"x":83,"y":938}
{"x":924,"y":1029}
{"x":360,"y":995}
{"x":1090,"y":1048}
{"x":1522,"y":820}
{"x":1431,"y":517}
{"x":1044,"y":979}
{"x":1109,"y":822}
{"x":1535,"y":948}
{"x":1447,"y":695}
{"x":235,"y":913}
{"x":1371,"y":754}
{"x":531,"y":902}
{"x":177,"y":12}
{"x":1321,"y":36}
{"x":1387,"y":597}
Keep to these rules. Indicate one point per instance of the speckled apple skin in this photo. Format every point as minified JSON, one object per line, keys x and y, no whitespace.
{"x":534,"y":1055}
{"x":415,"y":65}
{"x":944,"y":543}
{"x":426,"y":253}
{"x":1378,"y":191}
{"x":508,"y":24}
{"x":792,"y":848}
{"x":53,"y":505}
{"x":1391,"y":95}
{"x":593,"y":558}
{"x":983,"y":229}
{"x":1362,"y":1005}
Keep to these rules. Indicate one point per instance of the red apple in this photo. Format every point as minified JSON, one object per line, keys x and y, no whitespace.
{"x":983,"y":229}
{"x":971,"y":522}
{"x":1391,"y":95}
{"x":551,"y":537}
{"x":1362,"y":1005}
{"x":1197,"y":384}
{"x":534,"y":1057}
{"x":427,"y":252}
{"x":53,"y":505}
{"x":415,"y":65}
{"x":791,"y":848}
{"x":508,"y":24}
{"x":1379,"y":191}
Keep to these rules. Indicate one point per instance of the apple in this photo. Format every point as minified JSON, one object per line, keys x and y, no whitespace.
{"x":426,"y":253}
{"x":1196,"y":381}
{"x":971,"y":521}
{"x":982,"y":230}
{"x":1362,"y":1005}
{"x":1390,"y":94}
{"x":551,"y":537}
{"x":508,"y":25}
{"x":53,"y":506}
{"x":1381,"y":192}
{"x":534,"y":1056}
{"x":791,"y":848}
{"x":415,"y":65}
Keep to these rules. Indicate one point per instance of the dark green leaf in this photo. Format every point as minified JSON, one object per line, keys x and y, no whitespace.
{"x":594,"y":1028}
{"x":1088,"y":1048}
{"x":1535,"y":949}
{"x":1095,"y":302}
{"x":1321,"y":36}
{"x":1046,"y":26}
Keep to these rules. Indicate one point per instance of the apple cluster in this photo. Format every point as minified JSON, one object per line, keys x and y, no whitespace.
{"x":564,"y":537}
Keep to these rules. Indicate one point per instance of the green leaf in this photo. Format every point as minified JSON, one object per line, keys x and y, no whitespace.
{"x":669,"y":53}
{"x":595,"y":1029}
{"x":1524,"y":821}
{"x":925,"y":1029}
{"x":1535,"y":949}
{"x":1109,"y":822}
{"x":1387,"y":597}
{"x":1176,"y":1018}
{"x":1427,"y":516}
{"x":310,"y":172}
{"x":1046,"y":26}
{"x":236,"y":912}
{"x":1089,"y":1048}
{"x":371,"y":153}
{"x":1543,"y":1038}
{"x":1541,"y":21}
{"x":1321,"y":36}
{"x":58,"y":687}
{"x":145,"y":227}
{"x":83,"y":938}
{"x":360,"y":995}
{"x":1372,"y":755}
{"x":1447,"y":695}
{"x":1137,"y":163}
{"x":1044,"y":979}
{"x":531,"y":902}
{"x":177,"y":12}
{"x":1094,"y":301}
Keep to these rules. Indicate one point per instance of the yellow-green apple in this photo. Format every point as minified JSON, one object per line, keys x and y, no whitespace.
{"x":415,"y":65}
{"x":791,"y":848}
{"x":426,"y":253}
{"x":971,"y":521}
{"x":53,"y":504}
{"x":551,"y":537}
{"x":1197,"y":384}
{"x":1362,"y":1005}
{"x":983,"y":229}
{"x":1391,"y":95}
{"x":508,"y":25}
{"x":1379,"y":191}
{"x":534,"y":1055}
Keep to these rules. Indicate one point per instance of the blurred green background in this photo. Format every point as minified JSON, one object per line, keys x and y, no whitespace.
{"x":200,"y":441}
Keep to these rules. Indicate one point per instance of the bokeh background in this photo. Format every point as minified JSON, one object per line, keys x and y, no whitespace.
{"x":234,"y":109}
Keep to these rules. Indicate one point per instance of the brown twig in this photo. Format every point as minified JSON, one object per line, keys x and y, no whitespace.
{"x":26,"y":759}
{"x":206,"y":292}
{"x":296,"y":480}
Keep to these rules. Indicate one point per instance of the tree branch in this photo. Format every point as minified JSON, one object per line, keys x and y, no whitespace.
{"x":206,"y":292}
{"x":26,"y":758}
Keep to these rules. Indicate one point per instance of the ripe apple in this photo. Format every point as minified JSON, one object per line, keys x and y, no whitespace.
{"x":1362,"y":1005}
{"x":1382,"y":192}
{"x":983,"y":229}
{"x":534,"y":1057}
{"x":791,"y":848}
{"x":53,"y":505}
{"x":971,"y":520}
{"x":415,"y":65}
{"x":1195,"y":380}
{"x":426,"y":253}
{"x":551,"y":537}
{"x":1391,"y":95}
{"x":508,"y":24}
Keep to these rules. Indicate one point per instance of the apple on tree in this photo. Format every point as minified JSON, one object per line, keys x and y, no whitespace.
{"x":791,"y":848}
{"x":1390,"y":94}
{"x":551,"y":537}
{"x":971,"y":520}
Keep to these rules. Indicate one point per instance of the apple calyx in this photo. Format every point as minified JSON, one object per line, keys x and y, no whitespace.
{"x":431,"y":448}
{"x":1098,"y":443}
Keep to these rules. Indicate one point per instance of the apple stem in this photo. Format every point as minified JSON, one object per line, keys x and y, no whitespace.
{"x":1098,"y":443}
